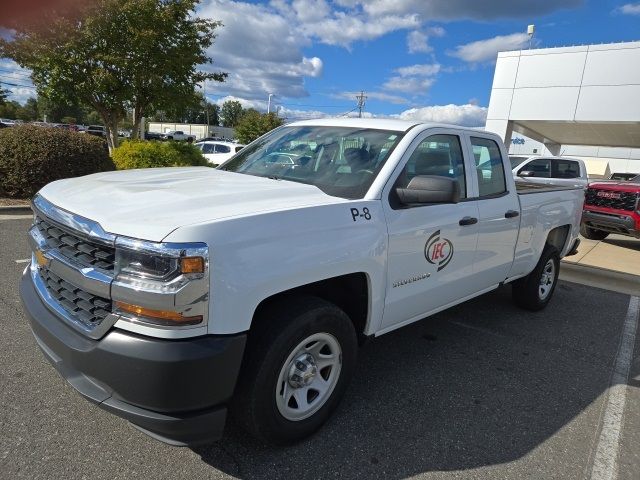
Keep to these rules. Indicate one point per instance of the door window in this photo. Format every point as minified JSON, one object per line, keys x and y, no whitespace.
{"x":207,"y":148}
{"x":566,"y":169}
{"x":439,"y":155}
{"x":541,"y":168}
{"x":489,"y":166}
{"x":222,"y":149}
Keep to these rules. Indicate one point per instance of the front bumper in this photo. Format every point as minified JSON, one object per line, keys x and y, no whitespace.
{"x":622,"y":223}
{"x":174,"y":390}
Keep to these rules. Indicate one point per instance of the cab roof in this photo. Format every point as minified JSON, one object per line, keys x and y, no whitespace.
{"x":377,"y":123}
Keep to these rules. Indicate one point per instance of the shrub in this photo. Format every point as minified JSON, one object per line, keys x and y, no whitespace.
{"x":150,"y":154}
{"x":31,"y":157}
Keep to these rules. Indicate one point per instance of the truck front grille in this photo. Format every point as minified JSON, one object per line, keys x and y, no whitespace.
{"x":89,"y":309}
{"x":75,"y":247}
{"x":611,"y":199}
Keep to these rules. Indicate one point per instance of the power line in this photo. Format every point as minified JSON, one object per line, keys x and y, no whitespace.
{"x":13,"y":72}
{"x":17,"y":85}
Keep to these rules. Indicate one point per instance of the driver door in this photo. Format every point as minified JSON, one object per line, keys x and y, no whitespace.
{"x":431,"y":247}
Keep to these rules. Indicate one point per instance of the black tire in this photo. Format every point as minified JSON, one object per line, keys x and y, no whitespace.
{"x":592,"y":233}
{"x":279,"y":330}
{"x":528,"y":292}
{"x":169,"y":138}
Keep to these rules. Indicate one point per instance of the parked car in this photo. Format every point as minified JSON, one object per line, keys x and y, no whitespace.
{"x":178,"y":136}
{"x":97,"y":130}
{"x":548,"y":170}
{"x":612,"y":207}
{"x":169,"y":295}
{"x":218,"y":152}
{"x":152,"y":136}
{"x":7,"y":122}
{"x":623,"y":176}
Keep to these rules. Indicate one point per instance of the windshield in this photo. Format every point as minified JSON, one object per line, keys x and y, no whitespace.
{"x":340,"y":161}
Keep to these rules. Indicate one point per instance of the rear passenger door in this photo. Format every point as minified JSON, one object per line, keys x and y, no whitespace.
{"x":431,"y":247}
{"x":567,"y":172}
{"x":498,"y":209}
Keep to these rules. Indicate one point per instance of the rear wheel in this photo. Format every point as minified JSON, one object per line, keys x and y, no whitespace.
{"x":592,"y":233}
{"x":299,"y":361}
{"x":534,"y":291}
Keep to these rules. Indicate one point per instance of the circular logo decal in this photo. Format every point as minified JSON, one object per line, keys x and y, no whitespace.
{"x":438,"y":251}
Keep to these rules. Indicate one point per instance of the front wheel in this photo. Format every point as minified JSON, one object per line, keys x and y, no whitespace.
{"x":299,"y":361}
{"x":592,"y":234}
{"x":534,"y":291}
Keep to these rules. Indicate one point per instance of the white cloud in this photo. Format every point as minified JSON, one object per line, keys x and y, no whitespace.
{"x":418,"y":41}
{"x":344,"y":28}
{"x":466,"y":9}
{"x":629,"y":9}
{"x":16,"y":81}
{"x":487,"y":50}
{"x":413,"y":79}
{"x":426,"y":70}
{"x":412,"y":85}
{"x":466,"y":115}
{"x":260,"y":50}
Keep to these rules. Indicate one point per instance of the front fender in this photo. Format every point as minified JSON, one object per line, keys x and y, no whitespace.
{"x":255,"y":257}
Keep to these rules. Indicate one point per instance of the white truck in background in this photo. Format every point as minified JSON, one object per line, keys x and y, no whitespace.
{"x":178,"y":136}
{"x":550,"y":170}
{"x":170,"y":296}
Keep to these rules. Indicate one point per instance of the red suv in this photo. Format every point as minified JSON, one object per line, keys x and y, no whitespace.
{"x":611,"y":207}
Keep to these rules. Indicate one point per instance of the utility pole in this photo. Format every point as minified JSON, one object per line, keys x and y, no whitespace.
{"x":362,"y":98}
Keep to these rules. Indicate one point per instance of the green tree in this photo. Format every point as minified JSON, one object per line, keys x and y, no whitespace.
{"x":9,"y":109}
{"x":254,"y":124}
{"x":30,"y":110}
{"x":231,"y":112}
{"x":116,"y":55}
{"x":3,"y":95}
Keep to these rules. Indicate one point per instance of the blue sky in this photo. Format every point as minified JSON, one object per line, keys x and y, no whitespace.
{"x":429,"y":60}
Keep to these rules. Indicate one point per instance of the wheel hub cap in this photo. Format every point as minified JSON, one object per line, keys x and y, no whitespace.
{"x":303,"y":371}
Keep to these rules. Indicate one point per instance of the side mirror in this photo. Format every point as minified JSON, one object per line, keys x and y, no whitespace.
{"x":526,"y":173}
{"x":429,"y":189}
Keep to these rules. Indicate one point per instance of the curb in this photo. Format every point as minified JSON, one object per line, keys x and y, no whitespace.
{"x":601,"y":278}
{"x":15,"y":210}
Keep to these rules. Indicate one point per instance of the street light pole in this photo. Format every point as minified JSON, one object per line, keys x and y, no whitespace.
{"x":269,"y":103}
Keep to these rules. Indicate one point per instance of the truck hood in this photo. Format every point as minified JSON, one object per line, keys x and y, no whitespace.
{"x":149,"y":204}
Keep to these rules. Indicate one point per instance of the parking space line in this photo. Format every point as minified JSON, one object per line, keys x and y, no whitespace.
{"x":605,"y":462}
{"x":23,"y":260}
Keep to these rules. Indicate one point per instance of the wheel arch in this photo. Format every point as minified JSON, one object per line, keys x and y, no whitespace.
{"x":558,"y":238}
{"x":350,"y":292}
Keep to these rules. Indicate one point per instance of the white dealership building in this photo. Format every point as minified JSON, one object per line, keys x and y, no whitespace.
{"x":581,"y":101}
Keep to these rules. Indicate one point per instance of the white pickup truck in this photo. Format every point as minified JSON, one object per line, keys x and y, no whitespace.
{"x":169,"y":296}
{"x":178,"y":136}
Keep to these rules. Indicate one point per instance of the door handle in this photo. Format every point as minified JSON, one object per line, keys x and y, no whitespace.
{"x":468,"y":221}
{"x":511,"y":214}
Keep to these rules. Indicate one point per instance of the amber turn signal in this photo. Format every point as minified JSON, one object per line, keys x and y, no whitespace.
{"x":192,"y":265}
{"x":164,"y":316}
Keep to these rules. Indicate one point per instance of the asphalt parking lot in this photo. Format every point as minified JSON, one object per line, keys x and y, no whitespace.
{"x":483,"y":390}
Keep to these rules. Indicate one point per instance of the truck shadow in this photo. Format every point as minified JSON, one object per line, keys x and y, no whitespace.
{"x":481,"y":384}
{"x":630,"y":243}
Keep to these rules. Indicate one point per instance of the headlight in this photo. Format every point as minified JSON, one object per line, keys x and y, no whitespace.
{"x":145,"y":265}
{"x":159,"y":262}
{"x":161,"y":283}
